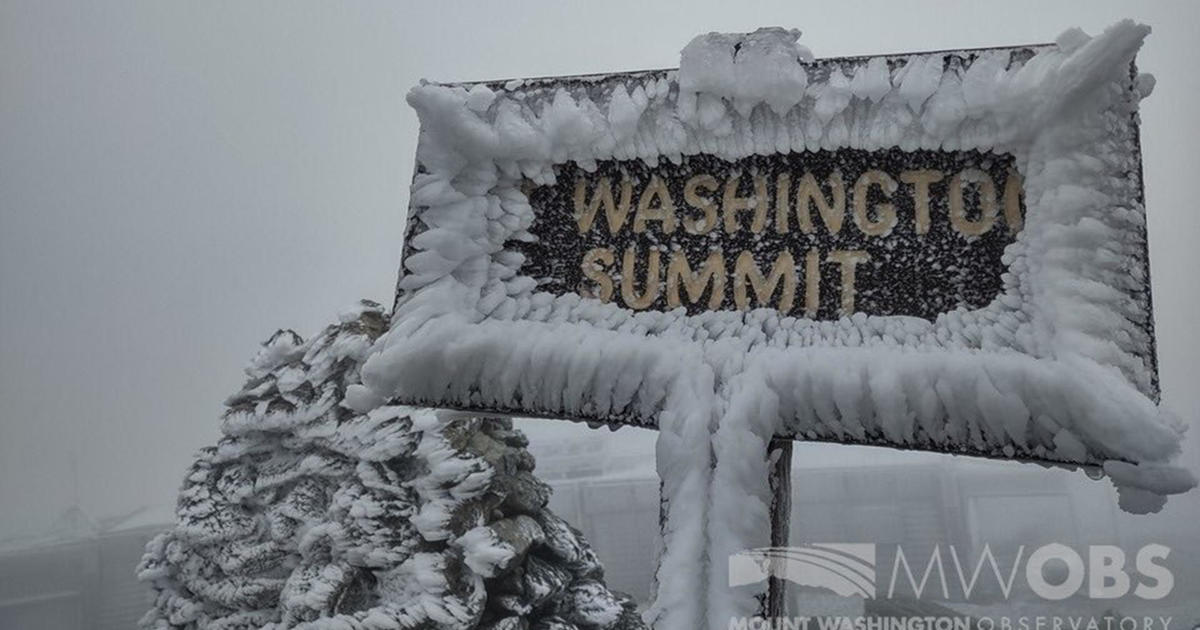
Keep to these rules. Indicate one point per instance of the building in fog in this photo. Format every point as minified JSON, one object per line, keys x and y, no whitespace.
{"x":79,"y":575}
{"x":606,"y":488}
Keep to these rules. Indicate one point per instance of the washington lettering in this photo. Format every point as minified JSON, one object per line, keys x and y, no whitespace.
{"x":817,"y":235}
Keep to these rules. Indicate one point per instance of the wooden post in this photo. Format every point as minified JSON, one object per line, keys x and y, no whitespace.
{"x":779,"y":454}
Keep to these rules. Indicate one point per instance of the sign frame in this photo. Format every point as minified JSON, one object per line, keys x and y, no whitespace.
{"x":1135,"y":360}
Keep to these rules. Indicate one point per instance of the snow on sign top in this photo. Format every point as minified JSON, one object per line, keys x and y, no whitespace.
{"x":941,"y":251}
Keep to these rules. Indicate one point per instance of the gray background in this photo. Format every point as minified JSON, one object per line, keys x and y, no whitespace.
{"x":178,"y":180}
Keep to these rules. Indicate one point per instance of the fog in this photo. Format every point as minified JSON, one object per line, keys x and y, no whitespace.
{"x":179,"y":180}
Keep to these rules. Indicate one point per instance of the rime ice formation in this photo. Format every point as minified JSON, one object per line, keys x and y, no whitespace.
{"x":310,"y":515}
{"x":1055,"y":368}
{"x":767,"y":68}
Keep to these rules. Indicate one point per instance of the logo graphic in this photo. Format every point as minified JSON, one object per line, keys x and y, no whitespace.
{"x":1052,"y":572}
{"x":844,"y":568}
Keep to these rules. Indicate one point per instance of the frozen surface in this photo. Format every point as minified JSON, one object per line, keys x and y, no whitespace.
{"x":1054,"y":369}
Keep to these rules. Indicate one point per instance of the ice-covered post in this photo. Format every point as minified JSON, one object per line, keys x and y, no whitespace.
{"x":779,"y":457}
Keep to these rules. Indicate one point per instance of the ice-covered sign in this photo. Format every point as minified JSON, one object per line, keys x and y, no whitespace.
{"x":942,"y":251}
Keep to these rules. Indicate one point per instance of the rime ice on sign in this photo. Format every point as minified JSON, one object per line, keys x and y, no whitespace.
{"x":1057,"y":365}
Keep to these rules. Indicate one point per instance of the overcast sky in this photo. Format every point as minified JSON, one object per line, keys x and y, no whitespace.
{"x":179,"y":180}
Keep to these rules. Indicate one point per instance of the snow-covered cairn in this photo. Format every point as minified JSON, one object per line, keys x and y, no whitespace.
{"x":307,"y":514}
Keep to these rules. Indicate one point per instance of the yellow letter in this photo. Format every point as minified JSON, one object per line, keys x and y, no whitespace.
{"x":848,"y":261}
{"x":705,"y":225}
{"x":712,"y":272}
{"x":732,"y":204}
{"x":745,"y":269}
{"x":812,"y":283}
{"x":628,"y":291}
{"x":920,"y":181}
{"x":595,"y":267}
{"x":832,"y":211}
{"x":585,"y":211}
{"x":885,"y":213}
{"x":664,"y":211}
{"x":1012,"y":202}
{"x":783,"y":188}
{"x":987,"y":203}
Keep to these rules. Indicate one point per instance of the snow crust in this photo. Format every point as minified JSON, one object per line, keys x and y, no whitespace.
{"x":1055,"y":369}
{"x":768,"y":67}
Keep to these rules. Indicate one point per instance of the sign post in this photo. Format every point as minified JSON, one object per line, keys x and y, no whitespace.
{"x":780,"y":459}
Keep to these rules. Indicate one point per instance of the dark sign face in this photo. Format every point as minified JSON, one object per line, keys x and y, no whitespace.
{"x":813,"y":234}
